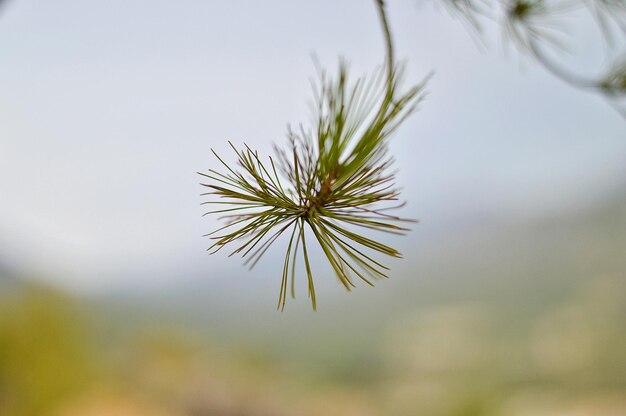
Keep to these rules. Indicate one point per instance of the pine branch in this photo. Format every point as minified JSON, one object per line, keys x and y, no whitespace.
{"x":536,"y":29}
{"x":331,"y":180}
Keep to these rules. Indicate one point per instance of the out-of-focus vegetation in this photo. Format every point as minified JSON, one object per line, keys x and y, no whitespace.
{"x":515,"y":329}
{"x":452,"y":359}
{"x":43,"y":351}
{"x":538,"y":29}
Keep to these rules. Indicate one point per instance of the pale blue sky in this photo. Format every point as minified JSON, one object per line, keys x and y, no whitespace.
{"x":107,"y":110}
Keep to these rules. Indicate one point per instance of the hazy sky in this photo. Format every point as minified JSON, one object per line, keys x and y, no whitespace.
{"x":107,"y":110}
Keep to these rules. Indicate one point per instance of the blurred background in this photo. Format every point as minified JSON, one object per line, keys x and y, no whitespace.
{"x":511,"y":298}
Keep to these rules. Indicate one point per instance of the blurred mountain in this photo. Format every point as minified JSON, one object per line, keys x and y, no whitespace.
{"x":8,"y":277}
{"x":499,"y":314}
{"x":520,"y":268}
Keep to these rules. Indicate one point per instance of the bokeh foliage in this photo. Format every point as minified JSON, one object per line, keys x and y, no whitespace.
{"x":540,"y":31}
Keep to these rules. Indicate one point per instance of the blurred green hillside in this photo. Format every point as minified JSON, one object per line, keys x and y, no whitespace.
{"x":501,"y":318}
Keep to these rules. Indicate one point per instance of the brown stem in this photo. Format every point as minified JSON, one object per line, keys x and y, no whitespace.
{"x":388,"y":46}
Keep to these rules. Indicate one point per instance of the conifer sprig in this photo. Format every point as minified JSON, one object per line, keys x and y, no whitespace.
{"x":331,"y":180}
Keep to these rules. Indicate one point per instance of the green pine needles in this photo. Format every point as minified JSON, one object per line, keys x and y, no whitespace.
{"x":331,"y":180}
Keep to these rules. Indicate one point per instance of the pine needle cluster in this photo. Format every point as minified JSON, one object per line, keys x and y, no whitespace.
{"x":330,"y":181}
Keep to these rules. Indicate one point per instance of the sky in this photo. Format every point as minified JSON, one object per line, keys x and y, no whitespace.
{"x":108,"y":110}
